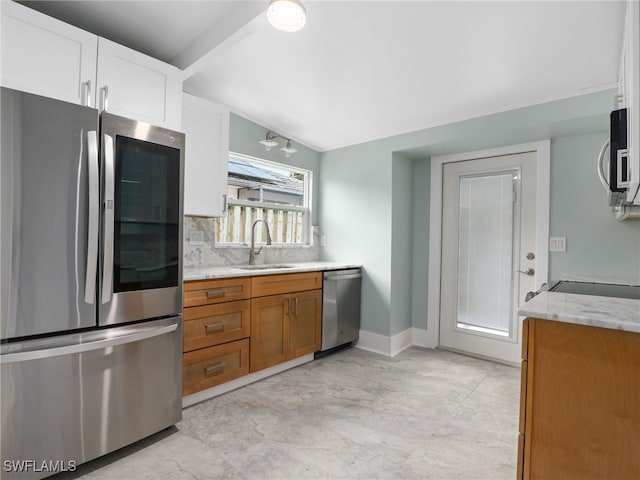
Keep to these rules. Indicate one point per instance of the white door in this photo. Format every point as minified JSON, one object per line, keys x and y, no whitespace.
{"x":488,"y":253}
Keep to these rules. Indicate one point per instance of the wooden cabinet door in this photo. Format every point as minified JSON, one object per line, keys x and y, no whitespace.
{"x":269,"y":331}
{"x":305,"y":323}
{"x":45,"y":56}
{"x":137,"y":86}
{"x":206,"y":125}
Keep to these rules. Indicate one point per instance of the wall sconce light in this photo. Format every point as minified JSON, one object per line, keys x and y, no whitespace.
{"x":270,"y":141}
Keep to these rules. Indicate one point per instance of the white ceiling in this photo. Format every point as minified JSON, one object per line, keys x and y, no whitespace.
{"x":362,"y":70}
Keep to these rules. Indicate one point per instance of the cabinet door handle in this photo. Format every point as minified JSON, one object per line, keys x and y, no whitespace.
{"x":214,"y":369}
{"x":86,"y":93}
{"x":216,"y":293}
{"x":104,"y":98}
{"x":224,"y":204}
{"x":214,"y":327}
{"x":295,"y":306}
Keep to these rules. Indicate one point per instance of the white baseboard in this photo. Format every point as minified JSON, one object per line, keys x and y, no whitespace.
{"x":391,"y":346}
{"x":212,"y":392}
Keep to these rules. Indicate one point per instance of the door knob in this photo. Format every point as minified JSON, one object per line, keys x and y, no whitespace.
{"x":529,"y":271}
{"x":531,"y":256}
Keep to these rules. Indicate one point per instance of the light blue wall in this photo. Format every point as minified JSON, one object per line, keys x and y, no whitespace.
{"x":355,"y":215}
{"x":363,"y":189}
{"x":401,"y":243}
{"x":421,"y":189}
{"x":244,"y":137}
{"x":597,"y":244}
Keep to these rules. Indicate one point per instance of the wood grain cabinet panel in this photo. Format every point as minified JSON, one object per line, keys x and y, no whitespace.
{"x":582,"y":402}
{"x":209,"y":325}
{"x":264,"y":285}
{"x":305,"y":323}
{"x":204,"y":292}
{"x":208,"y":367}
{"x":269,"y":331}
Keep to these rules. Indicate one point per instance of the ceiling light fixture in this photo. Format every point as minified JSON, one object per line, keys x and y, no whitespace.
{"x":270,"y":141}
{"x":287,"y":15}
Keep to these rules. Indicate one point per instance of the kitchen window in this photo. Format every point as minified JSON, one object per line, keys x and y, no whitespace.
{"x":260,"y":189}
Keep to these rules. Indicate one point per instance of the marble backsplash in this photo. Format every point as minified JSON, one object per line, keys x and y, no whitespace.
{"x":209,"y":255}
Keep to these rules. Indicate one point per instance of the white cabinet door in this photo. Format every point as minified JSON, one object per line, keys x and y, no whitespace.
{"x":45,"y":56}
{"x":206,"y":125}
{"x":137,"y":86}
{"x":631,"y":92}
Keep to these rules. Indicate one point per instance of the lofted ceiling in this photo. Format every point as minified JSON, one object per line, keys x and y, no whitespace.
{"x":363,"y":70}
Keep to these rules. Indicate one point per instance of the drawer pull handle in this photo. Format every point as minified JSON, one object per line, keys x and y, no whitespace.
{"x":216,"y":293}
{"x":214,"y":327}
{"x":214,"y":369}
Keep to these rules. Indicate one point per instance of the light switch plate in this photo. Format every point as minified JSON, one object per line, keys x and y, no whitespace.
{"x":323,"y":240}
{"x":557,"y":244}
{"x":196,"y":237}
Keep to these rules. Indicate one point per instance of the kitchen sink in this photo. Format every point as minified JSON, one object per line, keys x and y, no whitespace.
{"x":264,"y":266}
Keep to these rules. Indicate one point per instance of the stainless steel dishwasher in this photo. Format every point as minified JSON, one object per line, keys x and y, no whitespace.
{"x":340,"y":308}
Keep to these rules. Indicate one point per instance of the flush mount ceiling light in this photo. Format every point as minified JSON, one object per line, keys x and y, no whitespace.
{"x":270,"y":141}
{"x":287,"y":15}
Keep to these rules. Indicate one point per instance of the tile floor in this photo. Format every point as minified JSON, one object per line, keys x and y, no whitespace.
{"x":427,"y":414}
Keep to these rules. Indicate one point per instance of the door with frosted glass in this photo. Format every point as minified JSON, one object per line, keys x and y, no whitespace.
{"x":488,"y":252}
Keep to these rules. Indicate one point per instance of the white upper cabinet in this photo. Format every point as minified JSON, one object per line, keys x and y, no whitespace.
{"x":45,"y":56}
{"x":629,"y":91}
{"x":206,"y":126}
{"x":137,"y":86}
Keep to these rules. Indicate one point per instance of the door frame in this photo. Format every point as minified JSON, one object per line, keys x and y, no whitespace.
{"x":542,"y":149}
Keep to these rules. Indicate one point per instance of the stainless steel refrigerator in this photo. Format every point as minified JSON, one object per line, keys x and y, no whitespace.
{"x":91,"y":282}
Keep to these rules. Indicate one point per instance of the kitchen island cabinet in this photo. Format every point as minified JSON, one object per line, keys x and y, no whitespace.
{"x":580,"y":399}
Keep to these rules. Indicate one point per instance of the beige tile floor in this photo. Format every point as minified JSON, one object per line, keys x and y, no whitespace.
{"x":427,"y":414}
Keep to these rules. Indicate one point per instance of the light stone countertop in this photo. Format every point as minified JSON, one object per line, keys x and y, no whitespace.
{"x":229,"y":271}
{"x":591,"y":310}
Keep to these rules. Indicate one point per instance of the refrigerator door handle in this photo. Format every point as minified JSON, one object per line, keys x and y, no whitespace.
{"x":94,"y":215}
{"x":88,"y":346}
{"x":109,"y":186}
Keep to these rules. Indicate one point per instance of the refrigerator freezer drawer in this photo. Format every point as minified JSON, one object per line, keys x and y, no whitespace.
{"x":83,"y":400}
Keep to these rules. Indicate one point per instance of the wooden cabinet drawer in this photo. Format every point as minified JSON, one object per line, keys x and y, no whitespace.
{"x":209,"y":325}
{"x":204,"y":292}
{"x":264,"y":285}
{"x":208,"y":367}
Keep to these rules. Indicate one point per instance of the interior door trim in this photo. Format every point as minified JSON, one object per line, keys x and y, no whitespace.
{"x":543,"y":154}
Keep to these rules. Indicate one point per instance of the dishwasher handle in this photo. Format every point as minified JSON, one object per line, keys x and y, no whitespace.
{"x":343,"y":277}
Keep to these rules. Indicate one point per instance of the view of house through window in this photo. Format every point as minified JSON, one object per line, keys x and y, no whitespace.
{"x":274,"y":192}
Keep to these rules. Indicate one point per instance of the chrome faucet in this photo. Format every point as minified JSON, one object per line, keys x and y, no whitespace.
{"x":252,"y":251}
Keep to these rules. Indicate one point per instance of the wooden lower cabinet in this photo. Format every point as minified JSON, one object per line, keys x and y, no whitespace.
{"x":208,"y":367}
{"x":208,"y":325}
{"x":269,"y":331}
{"x":284,"y":327}
{"x":305,"y":325}
{"x":233,"y":326}
{"x":580,"y":402}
